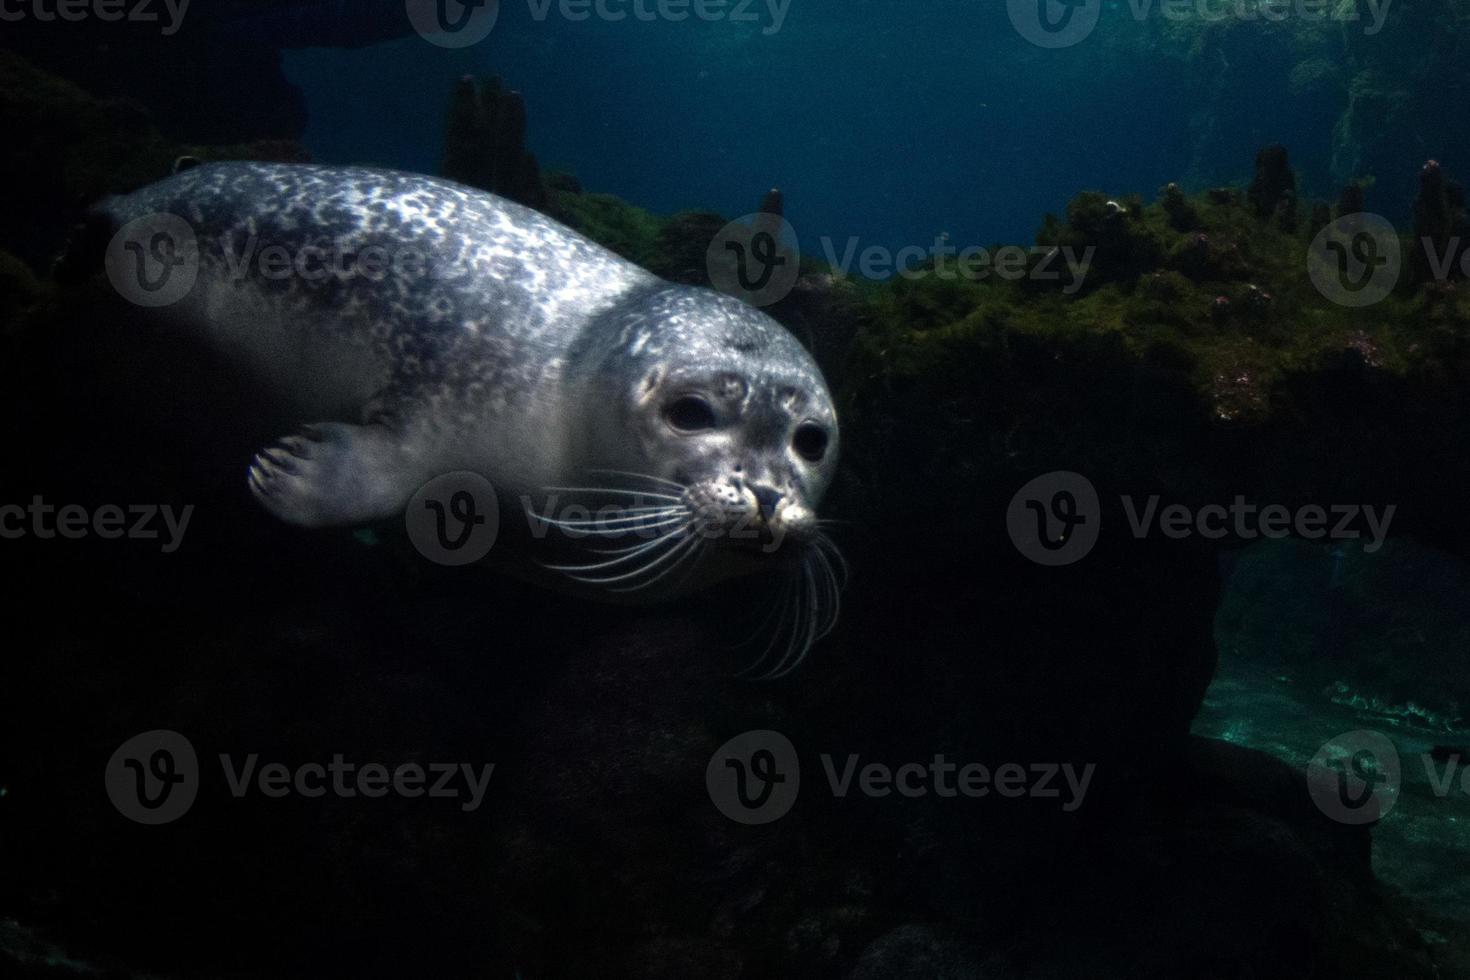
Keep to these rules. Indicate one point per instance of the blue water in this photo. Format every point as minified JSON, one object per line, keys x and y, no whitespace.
{"x":888,"y":121}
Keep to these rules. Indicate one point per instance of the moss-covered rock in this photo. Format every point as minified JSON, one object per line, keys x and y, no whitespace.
{"x":71,"y":148}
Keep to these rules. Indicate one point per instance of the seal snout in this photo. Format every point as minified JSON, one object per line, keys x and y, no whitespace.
{"x":766,"y":501}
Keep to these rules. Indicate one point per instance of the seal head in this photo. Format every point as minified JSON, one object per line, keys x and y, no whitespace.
{"x":714,"y":397}
{"x":712,"y":443}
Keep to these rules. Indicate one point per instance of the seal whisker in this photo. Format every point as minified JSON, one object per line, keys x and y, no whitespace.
{"x":772,"y":612}
{"x":651,"y":495}
{"x":777,"y":631}
{"x":622,"y":559}
{"x":617,"y":527}
{"x":804,"y":635}
{"x":626,"y":549}
{"x":621,"y":525}
{"x":833,"y":592}
{"x":795,"y":631}
{"x":841,"y":570}
{"x":624,"y":511}
{"x":646,"y":567}
{"x":674,"y":484}
{"x":691,"y":546}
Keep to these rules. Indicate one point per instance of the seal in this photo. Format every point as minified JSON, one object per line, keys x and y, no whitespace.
{"x":416,"y":327}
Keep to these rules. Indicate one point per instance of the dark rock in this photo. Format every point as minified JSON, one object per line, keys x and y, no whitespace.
{"x":78,"y":149}
{"x":680,"y":252}
{"x":485,"y":143}
{"x":1441,"y":227}
{"x":1182,"y":215}
{"x":563,"y":183}
{"x":825,"y":312}
{"x":921,"y":952}
{"x":1350,"y":201}
{"x":1273,"y":192}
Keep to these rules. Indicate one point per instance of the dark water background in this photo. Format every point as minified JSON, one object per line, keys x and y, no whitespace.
{"x":892,"y":122}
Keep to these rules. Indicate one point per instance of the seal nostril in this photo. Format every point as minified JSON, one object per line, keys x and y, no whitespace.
{"x":766,"y":499}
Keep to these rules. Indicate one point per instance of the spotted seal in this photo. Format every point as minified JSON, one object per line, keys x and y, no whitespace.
{"x":417,"y":327}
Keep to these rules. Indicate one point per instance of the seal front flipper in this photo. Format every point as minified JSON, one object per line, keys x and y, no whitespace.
{"x":334,"y":475}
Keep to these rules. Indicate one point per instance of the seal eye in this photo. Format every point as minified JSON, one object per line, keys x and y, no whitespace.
{"x":690,"y":414}
{"x":810,"y":442}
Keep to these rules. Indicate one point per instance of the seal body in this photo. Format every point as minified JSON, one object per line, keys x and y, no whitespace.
{"x":418,"y":327}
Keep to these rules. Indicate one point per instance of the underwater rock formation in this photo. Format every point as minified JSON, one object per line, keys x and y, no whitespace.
{"x":1125,"y":248}
{"x":214,"y":76}
{"x":19,"y":288}
{"x":1351,"y":200}
{"x":80,"y":148}
{"x":1273,"y":192}
{"x":1182,"y":216}
{"x":1441,"y":226}
{"x":681,"y":247}
{"x":1221,"y":868}
{"x":485,"y":143}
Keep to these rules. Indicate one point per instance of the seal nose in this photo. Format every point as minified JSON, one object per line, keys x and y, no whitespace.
{"x":766,"y":499}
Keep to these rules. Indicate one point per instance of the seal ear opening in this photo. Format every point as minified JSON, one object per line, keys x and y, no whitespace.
{"x":650,"y":383}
